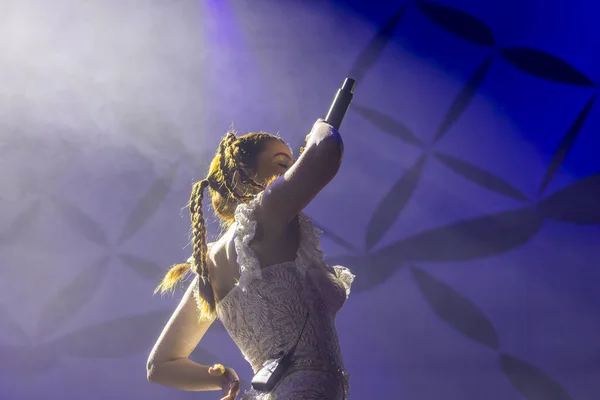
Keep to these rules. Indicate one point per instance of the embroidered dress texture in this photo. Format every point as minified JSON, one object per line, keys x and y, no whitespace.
{"x":265,"y":311}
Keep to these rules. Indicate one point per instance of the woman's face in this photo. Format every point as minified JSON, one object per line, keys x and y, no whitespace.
{"x":273,"y":161}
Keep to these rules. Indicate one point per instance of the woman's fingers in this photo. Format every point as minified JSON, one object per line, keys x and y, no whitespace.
{"x":232,"y":394}
{"x":231,"y":384}
{"x":234,"y":388}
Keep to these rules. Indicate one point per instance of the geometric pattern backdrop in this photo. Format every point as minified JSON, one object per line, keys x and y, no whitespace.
{"x":468,"y":204}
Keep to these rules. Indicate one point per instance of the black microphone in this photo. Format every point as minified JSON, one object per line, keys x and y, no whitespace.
{"x":340,"y":103}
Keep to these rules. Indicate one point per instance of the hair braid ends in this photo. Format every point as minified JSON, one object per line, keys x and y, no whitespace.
{"x":199,"y":258}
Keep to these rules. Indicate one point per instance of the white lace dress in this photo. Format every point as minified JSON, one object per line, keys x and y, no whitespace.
{"x":265,"y":311}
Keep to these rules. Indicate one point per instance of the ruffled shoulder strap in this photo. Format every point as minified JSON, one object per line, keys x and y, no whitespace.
{"x":309,"y":251}
{"x":245,"y":228}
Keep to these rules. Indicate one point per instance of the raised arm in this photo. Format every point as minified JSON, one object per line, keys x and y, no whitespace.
{"x":285,"y":197}
{"x":169,"y":363}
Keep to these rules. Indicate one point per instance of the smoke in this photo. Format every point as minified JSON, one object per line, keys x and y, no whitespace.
{"x":82,"y":76}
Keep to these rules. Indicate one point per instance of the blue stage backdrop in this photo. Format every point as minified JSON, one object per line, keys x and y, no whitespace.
{"x":468,"y":203}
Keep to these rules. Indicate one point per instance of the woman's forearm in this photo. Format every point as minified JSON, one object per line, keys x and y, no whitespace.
{"x":183,"y":374}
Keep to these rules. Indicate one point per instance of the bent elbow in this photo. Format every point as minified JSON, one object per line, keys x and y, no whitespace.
{"x":151,"y":372}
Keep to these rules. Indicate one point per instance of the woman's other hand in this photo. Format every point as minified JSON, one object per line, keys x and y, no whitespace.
{"x":230,"y":382}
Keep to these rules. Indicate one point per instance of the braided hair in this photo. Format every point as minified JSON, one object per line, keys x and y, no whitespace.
{"x":230,"y":182}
